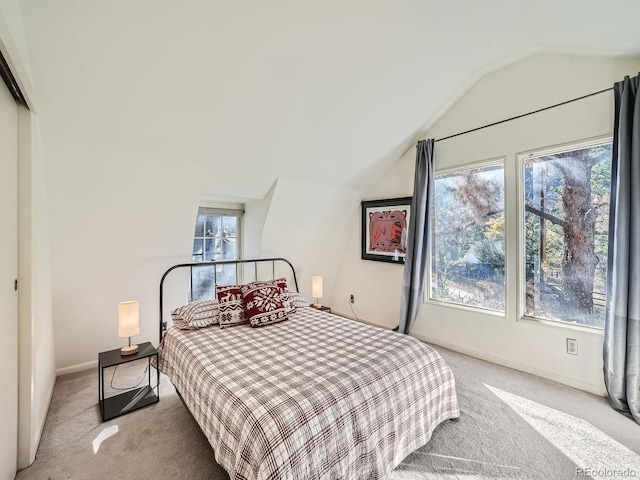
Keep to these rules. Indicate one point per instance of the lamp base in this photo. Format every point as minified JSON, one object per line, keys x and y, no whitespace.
{"x":316,"y":305}
{"x":129,"y":350}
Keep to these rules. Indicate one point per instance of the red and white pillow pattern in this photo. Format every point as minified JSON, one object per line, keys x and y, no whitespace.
{"x":257,"y":303}
{"x":231,"y":305}
{"x":289,"y":307}
{"x":263,"y":304}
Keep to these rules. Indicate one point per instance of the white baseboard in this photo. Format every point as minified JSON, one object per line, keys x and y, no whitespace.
{"x":77,"y":368}
{"x":361,"y":320}
{"x":587,"y":387}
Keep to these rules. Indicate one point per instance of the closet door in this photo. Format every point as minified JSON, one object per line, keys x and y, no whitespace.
{"x":8,"y":276}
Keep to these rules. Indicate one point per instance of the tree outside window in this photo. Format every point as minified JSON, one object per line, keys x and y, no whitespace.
{"x":566,"y":220}
{"x":468,"y":244}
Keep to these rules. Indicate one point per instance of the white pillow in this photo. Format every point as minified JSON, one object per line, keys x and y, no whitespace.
{"x":202,"y":313}
{"x":297,"y":300}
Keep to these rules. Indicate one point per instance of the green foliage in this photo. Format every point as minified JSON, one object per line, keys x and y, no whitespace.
{"x":495,"y":229}
{"x":468,"y":237}
{"x":491,"y":252}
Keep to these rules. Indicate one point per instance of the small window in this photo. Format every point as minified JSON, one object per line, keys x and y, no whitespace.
{"x":217,"y":237}
{"x":468,"y":249}
{"x":566,"y":222}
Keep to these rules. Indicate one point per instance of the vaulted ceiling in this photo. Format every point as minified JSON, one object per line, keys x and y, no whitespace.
{"x":251,"y":91}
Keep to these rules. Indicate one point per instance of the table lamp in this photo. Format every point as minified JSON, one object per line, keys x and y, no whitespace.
{"x":316,"y":289}
{"x":128,"y":324}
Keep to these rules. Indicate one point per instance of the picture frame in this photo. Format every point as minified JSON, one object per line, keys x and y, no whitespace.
{"x":385,"y":224}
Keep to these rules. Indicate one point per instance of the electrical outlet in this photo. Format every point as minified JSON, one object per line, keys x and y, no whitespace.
{"x":572,"y":346}
{"x":352,"y":299}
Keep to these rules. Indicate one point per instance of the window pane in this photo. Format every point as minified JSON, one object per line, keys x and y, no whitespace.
{"x":204,"y":280}
{"x":203,"y":286}
{"x":229,"y":225}
{"x":566,"y":222}
{"x":229,"y":238}
{"x":211,"y":249}
{"x":213,"y":226}
{"x":468,"y":238}
{"x":226,"y":274}
{"x":212,"y":242}
{"x":198,"y":250}
{"x":199,"y":232}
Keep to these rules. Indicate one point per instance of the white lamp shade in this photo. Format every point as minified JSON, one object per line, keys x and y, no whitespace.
{"x":316,"y":287}
{"x":128,"y":318}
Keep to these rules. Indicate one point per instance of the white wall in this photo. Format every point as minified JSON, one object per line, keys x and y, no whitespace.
{"x":11,"y":18}
{"x":255,"y":214}
{"x":308,"y":223}
{"x":117,"y":223}
{"x":536,"y":82}
{"x":115,"y":233}
{"x":376,"y":286}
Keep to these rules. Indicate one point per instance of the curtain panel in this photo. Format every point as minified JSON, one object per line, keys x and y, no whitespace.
{"x":622,"y":325}
{"x":419,"y":237}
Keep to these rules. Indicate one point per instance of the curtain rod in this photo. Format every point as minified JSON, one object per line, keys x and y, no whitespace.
{"x":524,"y":114}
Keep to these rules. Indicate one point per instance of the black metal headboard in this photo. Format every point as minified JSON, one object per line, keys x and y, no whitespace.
{"x":232,"y":275}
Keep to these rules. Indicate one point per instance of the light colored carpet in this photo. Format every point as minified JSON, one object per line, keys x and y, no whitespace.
{"x":512,"y":425}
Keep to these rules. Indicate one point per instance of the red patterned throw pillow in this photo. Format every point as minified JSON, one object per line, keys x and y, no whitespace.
{"x":230,"y":305}
{"x":263,"y":303}
{"x":289,"y":307}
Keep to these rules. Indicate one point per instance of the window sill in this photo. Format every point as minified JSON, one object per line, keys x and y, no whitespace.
{"x":457,"y":306}
{"x":561,"y":325}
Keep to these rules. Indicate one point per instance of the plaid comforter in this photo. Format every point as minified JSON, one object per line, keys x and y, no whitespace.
{"x":314,"y":397}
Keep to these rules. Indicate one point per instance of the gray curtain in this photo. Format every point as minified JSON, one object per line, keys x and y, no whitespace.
{"x":622,"y":324}
{"x":419,"y":236}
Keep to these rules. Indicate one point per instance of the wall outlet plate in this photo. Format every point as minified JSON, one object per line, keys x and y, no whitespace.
{"x":352,"y":299}
{"x":572,"y":346}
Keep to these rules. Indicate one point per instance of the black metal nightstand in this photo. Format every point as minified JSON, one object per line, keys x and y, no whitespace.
{"x":322,"y":308}
{"x":128,"y":401}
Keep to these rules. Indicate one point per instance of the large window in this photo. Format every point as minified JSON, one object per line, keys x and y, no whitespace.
{"x":217,"y":237}
{"x":468,"y":248}
{"x":566,"y":220}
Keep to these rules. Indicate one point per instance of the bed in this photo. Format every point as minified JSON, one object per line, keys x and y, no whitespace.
{"x":316,"y":396}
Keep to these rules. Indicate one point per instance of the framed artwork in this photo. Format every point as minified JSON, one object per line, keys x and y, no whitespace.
{"x":384,"y":229}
